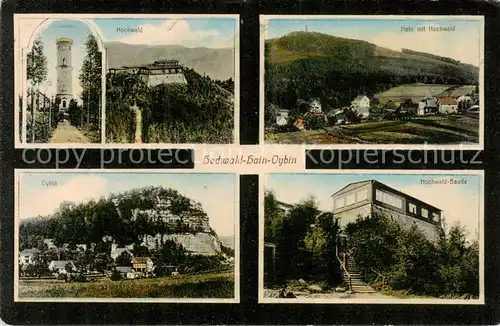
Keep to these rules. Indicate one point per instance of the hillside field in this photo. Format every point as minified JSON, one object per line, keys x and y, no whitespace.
{"x":209,"y":285}
{"x":415,"y":92}
{"x":452,"y":129}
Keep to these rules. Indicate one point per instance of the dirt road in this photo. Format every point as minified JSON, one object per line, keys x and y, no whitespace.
{"x":66,"y":133}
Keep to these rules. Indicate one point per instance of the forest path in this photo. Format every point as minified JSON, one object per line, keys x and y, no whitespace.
{"x":66,"y":133}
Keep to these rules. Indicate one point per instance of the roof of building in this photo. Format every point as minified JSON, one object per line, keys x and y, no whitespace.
{"x":61,"y":263}
{"x":29,"y":252}
{"x":64,"y":40}
{"x":352,"y":186}
{"x":448,"y":101}
{"x":124,"y":269}
{"x":359,"y":97}
{"x":280,"y":203}
{"x":159,"y":64}
{"x":299,"y":123}
{"x":359,"y":184}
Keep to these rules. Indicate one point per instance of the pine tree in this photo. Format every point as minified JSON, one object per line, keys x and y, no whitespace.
{"x":36,"y":73}
{"x":90,"y":78}
{"x":37,"y":63}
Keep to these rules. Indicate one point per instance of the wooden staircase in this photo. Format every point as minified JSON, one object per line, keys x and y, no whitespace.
{"x":357,"y":283}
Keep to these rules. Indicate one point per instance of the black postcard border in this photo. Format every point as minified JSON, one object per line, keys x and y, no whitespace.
{"x":249,"y":311}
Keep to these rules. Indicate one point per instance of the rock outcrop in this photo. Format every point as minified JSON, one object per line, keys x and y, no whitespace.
{"x":176,"y":218}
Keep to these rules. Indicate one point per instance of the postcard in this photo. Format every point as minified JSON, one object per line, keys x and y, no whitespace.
{"x":126,"y":79}
{"x":389,"y":237}
{"x":373,"y":81}
{"x":146,"y":236}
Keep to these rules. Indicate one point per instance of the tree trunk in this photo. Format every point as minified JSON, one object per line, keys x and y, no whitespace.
{"x":33,"y":112}
{"x":138,"y":123}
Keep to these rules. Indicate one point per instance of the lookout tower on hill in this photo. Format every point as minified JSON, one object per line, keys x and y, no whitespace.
{"x":64,"y":69}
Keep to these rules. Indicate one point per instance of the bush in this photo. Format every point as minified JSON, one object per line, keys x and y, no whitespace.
{"x":317,"y":123}
{"x":62,"y":276}
{"x":115,"y":275}
{"x":408,"y":261}
{"x":199,"y":112}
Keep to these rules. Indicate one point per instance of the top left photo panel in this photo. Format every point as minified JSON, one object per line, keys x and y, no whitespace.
{"x":125,"y":80}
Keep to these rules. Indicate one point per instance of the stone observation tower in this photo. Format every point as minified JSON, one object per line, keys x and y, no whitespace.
{"x":64,"y":72}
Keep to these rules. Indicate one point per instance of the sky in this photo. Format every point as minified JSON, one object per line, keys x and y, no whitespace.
{"x":189,"y":32}
{"x":462,"y":44}
{"x":215,"y":192}
{"x":457,"y":202}
{"x":77,"y":31}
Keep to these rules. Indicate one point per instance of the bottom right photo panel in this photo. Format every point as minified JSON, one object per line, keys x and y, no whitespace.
{"x":365,"y":236}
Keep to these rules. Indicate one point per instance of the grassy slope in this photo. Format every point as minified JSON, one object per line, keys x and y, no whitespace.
{"x":434,"y":130}
{"x":210,"y":285}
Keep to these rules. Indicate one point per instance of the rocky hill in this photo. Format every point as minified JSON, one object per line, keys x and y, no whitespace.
{"x":216,"y":63}
{"x":147,"y":216}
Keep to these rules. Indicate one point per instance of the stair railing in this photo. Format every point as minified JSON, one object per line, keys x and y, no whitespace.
{"x":344,"y":269}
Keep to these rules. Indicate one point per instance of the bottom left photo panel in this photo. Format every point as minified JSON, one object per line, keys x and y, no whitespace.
{"x":117,"y":235}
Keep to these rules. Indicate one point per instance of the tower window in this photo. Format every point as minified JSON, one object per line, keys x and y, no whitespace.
{"x":64,"y":103}
{"x":64,"y":61}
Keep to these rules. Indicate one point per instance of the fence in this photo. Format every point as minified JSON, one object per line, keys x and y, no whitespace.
{"x":41,"y":117}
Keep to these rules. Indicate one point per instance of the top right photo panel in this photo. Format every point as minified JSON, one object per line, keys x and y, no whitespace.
{"x":373,"y":81}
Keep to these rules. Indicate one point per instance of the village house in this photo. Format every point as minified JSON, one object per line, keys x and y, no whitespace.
{"x":282,"y":117}
{"x":156,"y":73}
{"x":50,"y":244}
{"x":124,"y":270}
{"x":427,"y":106}
{"x":59,"y":266}
{"x":361,"y":101}
{"x":448,"y":105}
{"x":284,"y":207}
{"x":362,"y":105}
{"x":27,"y":256}
{"x":365,"y":198}
{"x":143,"y":264}
{"x":315,"y":106}
{"x":340,"y":119}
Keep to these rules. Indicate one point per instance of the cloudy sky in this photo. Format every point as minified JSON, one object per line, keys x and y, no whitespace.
{"x":458,"y":202}
{"x":207,"y":32}
{"x":215,"y":192}
{"x":462,"y":44}
{"x":190,"y":32}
